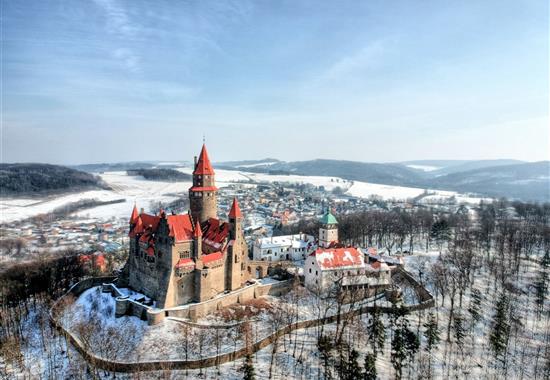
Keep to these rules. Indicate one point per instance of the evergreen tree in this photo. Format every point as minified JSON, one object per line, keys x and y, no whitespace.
{"x":370,"y":367}
{"x":500,"y":328}
{"x":475,"y":307}
{"x":247,"y":368}
{"x":352,"y":368}
{"x":458,"y":327}
{"x":405,"y":342}
{"x":398,"y":352}
{"x":324,"y":345}
{"x":541,"y":289}
{"x":431,"y":333}
{"x":376,"y":332}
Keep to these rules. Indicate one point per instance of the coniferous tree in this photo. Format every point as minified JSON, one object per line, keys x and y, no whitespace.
{"x":405,"y":342}
{"x":475,"y":307}
{"x":324,"y":345}
{"x":458,"y":327}
{"x":352,"y":368}
{"x":247,"y":368}
{"x":370,"y":367}
{"x":376,"y":332}
{"x":431,"y":333}
{"x":500,"y":328}
{"x":541,"y":284}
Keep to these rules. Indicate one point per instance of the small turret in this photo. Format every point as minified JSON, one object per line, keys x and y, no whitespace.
{"x":134,"y":216}
{"x":235,"y":219}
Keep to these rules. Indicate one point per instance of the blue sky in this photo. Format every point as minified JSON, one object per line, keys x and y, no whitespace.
{"x":112,"y":80}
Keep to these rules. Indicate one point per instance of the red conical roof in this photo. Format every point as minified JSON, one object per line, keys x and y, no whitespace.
{"x":235,"y":211}
{"x":139,"y":226}
{"x":198,"y":232}
{"x":204,"y":167}
{"x":133,"y":218}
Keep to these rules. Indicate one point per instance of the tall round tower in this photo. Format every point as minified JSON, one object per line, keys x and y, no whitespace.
{"x":203,"y":194}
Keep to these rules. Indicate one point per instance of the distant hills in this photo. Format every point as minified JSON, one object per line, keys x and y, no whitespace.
{"x":30,"y":179}
{"x":528,"y":181}
{"x":495,"y":178}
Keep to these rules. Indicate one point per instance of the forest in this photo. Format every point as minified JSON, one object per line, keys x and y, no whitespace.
{"x":29,"y":179}
{"x":160,"y":174}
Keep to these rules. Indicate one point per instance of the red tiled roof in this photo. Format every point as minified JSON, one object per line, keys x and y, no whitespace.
{"x":204,"y":167}
{"x":138,"y":228}
{"x":212,"y":257}
{"x":185,"y":263}
{"x":235,"y":211}
{"x":150,"y":220}
{"x":214,"y":233}
{"x":339,"y":258}
{"x":181,"y":228}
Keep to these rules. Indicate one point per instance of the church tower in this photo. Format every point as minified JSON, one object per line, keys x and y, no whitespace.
{"x":328,"y":232}
{"x":203,"y":193}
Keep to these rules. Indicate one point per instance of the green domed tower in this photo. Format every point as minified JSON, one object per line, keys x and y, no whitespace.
{"x":328,"y":232}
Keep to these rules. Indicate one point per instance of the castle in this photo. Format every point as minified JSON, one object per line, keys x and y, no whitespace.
{"x":177,"y":259}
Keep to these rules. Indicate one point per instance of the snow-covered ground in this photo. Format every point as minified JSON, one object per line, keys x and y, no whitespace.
{"x":22,"y":208}
{"x":144,"y":192}
{"x":130,"y":188}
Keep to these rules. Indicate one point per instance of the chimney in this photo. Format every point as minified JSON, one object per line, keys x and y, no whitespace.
{"x":195,"y":164}
{"x":141,"y":211}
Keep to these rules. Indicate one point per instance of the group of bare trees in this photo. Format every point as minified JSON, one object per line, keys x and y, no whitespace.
{"x":489,"y":277}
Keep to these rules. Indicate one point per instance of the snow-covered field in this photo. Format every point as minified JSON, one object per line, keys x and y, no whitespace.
{"x":130,"y":188}
{"x":425,"y":168}
{"x":144,"y":192}
{"x":21,"y":208}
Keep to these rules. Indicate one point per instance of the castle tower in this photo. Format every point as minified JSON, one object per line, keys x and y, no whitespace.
{"x":203,"y":193}
{"x":237,"y":250}
{"x":328,"y":232}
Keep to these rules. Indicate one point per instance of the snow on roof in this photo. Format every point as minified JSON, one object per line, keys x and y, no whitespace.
{"x":294,"y":241}
{"x":339,"y":258}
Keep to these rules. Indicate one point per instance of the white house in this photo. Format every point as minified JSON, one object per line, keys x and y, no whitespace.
{"x":288,"y":247}
{"x":327,"y":267}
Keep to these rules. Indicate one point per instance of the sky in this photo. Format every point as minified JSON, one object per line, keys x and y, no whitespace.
{"x":376,"y":81}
